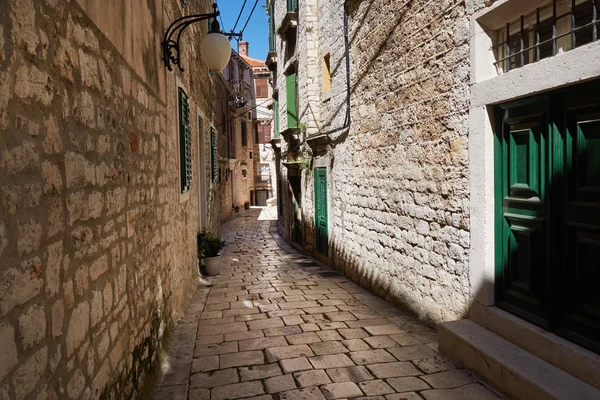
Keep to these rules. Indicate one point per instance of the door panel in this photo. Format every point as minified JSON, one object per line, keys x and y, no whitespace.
{"x":321,"y":228}
{"x":524,"y":274}
{"x":581,"y":312}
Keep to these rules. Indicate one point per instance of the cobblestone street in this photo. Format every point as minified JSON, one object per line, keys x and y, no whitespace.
{"x":277,"y":325}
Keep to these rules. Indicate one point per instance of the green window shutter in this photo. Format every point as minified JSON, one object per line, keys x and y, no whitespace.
{"x":276,"y":117}
{"x":185,"y":142}
{"x":213,"y":154}
{"x":292,"y":108}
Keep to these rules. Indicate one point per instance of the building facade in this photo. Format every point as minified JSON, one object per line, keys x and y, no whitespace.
{"x":237,"y":152}
{"x":440,"y":154}
{"x":106,"y":174}
{"x":265,"y":179}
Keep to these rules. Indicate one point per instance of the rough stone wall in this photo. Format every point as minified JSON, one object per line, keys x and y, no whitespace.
{"x":97,"y":247}
{"x":400,"y":184}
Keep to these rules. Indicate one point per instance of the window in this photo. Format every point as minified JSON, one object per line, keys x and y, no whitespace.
{"x":276,"y":117}
{"x":326,"y":74}
{"x":251,"y":155}
{"x":264,"y":133}
{"x":292,"y":111}
{"x":560,"y":26}
{"x":185,"y":142}
{"x":244,"y":133}
{"x":213,"y":154}
{"x":262,"y":88}
{"x":265,"y":173}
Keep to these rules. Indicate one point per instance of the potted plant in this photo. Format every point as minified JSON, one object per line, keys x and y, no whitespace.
{"x":209,"y":247}
{"x":247,"y":205}
{"x":237,"y":208}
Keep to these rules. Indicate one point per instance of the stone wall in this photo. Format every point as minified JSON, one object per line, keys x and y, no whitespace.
{"x":398,"y":181}
{"x":97,"y":246}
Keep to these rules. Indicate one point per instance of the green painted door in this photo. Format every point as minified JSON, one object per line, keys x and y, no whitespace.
{"x":548,"y":212}
{"x":321,"y":228}
{"x":523,"y":224}
{"x":579,"y":226}
{"x":291,"y":99}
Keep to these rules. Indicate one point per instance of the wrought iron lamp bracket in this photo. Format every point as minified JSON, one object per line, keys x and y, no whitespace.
{"x":172,"y":38}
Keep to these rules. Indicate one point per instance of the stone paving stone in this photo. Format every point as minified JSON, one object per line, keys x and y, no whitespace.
{"x":311,"y":393}
{"x":214,"y":321}
{"x":473,"y":391}
{"x":327,"y":302}
{"x":211,"y":314}
{"x":203,"y":364}
{"x":251,"y":317}
{"x":320,"y":310}
{"x":313,"y":377}
{"x":434,"y":364}
{"x":179,"y":392}
{"x":281,"y":353}
{"x":407,"y":396}
{"x":340,"y":316}
{"x":241,"y":359}
{"x":355,"y":344}
{"x":209,"y":339}
{"x":298,"y":304}
{"x":280,"y":383}
{"x":448,"y":379}
{"x":314,"y":318}
{"x":196,"y":394}
{"x":223,"y":328}
{"x":381,"y":342}
{"x":286,"y":330}
{"x":216,"y":348}
{"x":331,"y":361}
{"x":216,"y":307}
{"x":383,"y":329}
{"x":353,"y":333}
{"x":265,"y":323}
{"x":259,"y":372}
{"x":295,"y":364}
{"x":237,"y":391}
{"x":332,"y":325}
{"x":303,"y":338}
{"x":341,"y":390}
{"x":393,"y":369}
{"x":349,"y":374}
{"x":375,"y":388}
{"x":262,"y":343}
{"x":331,"y":347}
{"x":407,"y":384}
{"x":215,"y":378}
{"x":230,"y":337}
{"x":292,"y":320}
{"x":309,"y":327}
{"x":329,"y":335}
{"x":416,"y":352}
{"x":405,"y":339}
{"x":371,"y":357}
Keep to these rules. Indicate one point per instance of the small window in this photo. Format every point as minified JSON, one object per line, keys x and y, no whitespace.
{"x":326,"y":74}
{"x":244,"y":133}
{"x":264,"y":134}
{"x":251,"y":155}
{"x":262,"y":88}
{"x":185,"y":142}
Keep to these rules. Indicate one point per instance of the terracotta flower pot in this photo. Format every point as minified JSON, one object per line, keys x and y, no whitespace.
{"x":212,"y":265}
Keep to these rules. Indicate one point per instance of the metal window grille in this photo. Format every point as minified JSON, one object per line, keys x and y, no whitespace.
{"x":185,"y":142}
{"x":558,"y":27}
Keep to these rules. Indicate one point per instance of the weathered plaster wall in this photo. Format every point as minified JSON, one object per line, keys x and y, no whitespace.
{"x":97,"y":247}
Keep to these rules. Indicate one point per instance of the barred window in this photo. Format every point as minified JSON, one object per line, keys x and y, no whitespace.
{"x":185,"y":142}
{"x":559,"y":26}
{"x":244,"y":133}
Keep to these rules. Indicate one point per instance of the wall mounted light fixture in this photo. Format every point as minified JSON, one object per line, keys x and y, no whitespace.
{"x":214,"y":48}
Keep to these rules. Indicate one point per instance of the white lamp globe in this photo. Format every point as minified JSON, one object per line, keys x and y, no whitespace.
{"x":216,"y":51}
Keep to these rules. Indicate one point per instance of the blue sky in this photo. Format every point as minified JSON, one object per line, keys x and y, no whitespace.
{"x":257,"y":30}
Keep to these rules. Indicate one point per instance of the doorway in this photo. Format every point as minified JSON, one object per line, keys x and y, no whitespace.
{"x":548,"y":211}
{"x":321,"y":224}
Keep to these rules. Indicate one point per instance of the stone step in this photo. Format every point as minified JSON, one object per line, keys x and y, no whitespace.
{"x":507,"y":367}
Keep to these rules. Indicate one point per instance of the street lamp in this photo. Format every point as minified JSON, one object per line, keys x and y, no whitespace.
{"x":214,"y":48}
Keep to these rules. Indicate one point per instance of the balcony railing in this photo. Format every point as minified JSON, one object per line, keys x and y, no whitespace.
{"x":266,"y":178}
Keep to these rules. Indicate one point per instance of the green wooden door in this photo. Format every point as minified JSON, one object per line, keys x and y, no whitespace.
{"x":548,"y":212}
{"x":321,"y":228}
{"x":291,"y":99}
{"x":523,"y":163}
{"x":579,"y":227}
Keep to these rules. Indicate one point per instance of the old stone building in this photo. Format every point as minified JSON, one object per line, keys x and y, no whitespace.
{"x":105,"y":178}
{"x":264,"y":174}
{"x":428,"y":154}
{"x":237,"y":140}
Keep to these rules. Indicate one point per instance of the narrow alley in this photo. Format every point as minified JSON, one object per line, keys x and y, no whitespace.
{"x":277,"y":325}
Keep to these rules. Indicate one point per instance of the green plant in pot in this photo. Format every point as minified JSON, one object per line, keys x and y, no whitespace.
{"x":247,"y":205}
{"x":209,"y":247}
